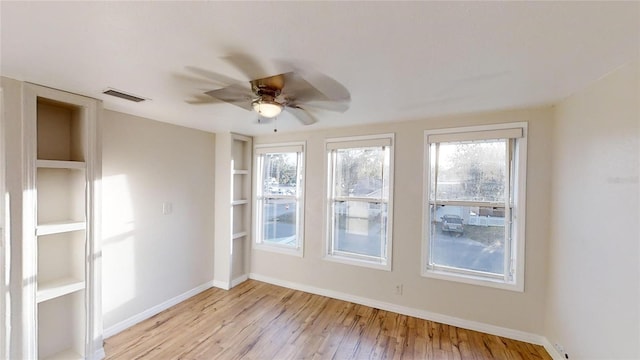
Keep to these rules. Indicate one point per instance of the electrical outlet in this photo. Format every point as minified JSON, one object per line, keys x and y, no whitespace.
{"x":399,"y":289}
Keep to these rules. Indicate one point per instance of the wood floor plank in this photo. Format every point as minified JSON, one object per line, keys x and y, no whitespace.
{"x":334,"y":334}
{"x":261,"y":321}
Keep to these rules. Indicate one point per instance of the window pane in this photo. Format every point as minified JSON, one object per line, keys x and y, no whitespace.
{"x":470,"y":238}
{"x":280,"y":174}
{"x":279,"y":220}
{"x":360,"y":227}
{"x":361,"y":172}
{"x":470,"y":171}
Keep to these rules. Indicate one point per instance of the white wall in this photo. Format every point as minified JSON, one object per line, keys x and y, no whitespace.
{"x":513,"y":310}
{"x":148,"y":257}
{"x":593,"y":306}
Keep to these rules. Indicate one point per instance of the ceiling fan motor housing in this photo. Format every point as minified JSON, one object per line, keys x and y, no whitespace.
{"x":266,"y":104}
{"x":269,"y":96}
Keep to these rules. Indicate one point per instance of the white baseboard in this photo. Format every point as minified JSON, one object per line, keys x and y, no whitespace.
{"x":99,"y":354}
{"x":221,"y":285}
{"x":553,"y":352}
{"x":233,"y":283}
{"x":125,"y":324}
{"x":239,"y":280}
{"x":418,"y":313}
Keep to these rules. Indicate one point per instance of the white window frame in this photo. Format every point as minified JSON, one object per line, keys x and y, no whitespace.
{"x":259,"y":151}
{"x":352,"y":142}
{"x":515,"y":265}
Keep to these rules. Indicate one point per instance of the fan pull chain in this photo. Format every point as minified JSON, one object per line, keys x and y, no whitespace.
{"x":275,"y":124}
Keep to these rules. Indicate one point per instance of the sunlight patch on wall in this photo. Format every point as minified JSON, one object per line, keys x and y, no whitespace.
{"x":118,"y":243}
{"x":117,"y":212}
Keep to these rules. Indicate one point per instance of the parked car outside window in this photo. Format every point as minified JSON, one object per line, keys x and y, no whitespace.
{"x":452,"y":223}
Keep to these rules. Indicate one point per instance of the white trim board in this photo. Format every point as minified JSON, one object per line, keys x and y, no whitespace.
{"x":553,"y":352}
{"x":224,"y":285}
{"x":422,"y":314}
{"x":99,"y":354}
{"x":239,"y":280}
{"x":127,"y":323}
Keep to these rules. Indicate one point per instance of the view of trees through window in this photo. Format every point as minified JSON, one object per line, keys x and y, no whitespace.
{"x":471,"y":171}
{"x":359,"y":172}
{"x":468,"y":211}
{"x":360,"y":201}
{"x":278,"y":199}
{"x":280,"y":170}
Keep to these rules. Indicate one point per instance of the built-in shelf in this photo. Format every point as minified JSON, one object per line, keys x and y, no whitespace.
{"x":68,"y":354}
{"x":60,"y":164}
{"x":60,"y":300}
{"x":60,"y":227}
{"x":52,"y":289}
{"x":232,"y":256}
{"x":239,"y":235}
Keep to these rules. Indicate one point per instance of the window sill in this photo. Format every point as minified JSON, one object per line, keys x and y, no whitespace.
{"x":358,"y":262}
{"x":473,"y":280}
{"x":279,"y":249}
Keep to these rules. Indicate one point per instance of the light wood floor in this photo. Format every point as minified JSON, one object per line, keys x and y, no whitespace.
{"x":261,"y":321}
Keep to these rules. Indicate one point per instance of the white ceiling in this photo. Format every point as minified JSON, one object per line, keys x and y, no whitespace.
{"x":400,"y":61}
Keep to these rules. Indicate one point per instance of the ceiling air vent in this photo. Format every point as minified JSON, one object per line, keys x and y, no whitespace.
{"x":122,"y":95}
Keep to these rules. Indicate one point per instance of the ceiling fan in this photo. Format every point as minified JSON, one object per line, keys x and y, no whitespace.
{"x":294,"y":92}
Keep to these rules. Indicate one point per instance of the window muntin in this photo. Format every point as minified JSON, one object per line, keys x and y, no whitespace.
{"x":279,"y":198}
{"x":359,"y":202}
{"x":475,"y":176}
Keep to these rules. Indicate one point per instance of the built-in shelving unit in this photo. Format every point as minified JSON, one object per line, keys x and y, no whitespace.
{"x":63,"y":166}
{"x":241,"y":150}
{"x":232,"y":243}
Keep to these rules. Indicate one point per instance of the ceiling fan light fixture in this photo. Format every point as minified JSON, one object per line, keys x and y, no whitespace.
{"x":267,"y":108}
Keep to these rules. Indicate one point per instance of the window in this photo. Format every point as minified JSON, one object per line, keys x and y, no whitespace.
{"x":474,"y":208}
{"x":279,"y":198}
{"x":359,"y":206}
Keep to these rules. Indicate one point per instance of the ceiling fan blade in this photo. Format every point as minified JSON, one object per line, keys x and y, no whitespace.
{"x":248,"y":65}
{"x":272,"y":82}
{"x":337,"y":106}
{"x":199,"y":81}
{"x":301,"y":114}
{"x":298,"y":90}
{"x":219,"y":79}
{"x":331,"y":88}
{"x":236,"y":94}
{"x":202,"y":100}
